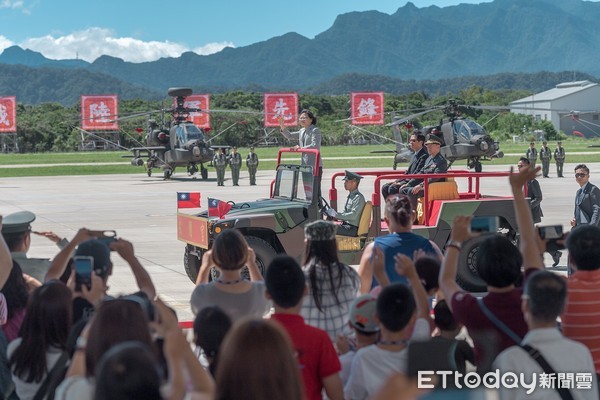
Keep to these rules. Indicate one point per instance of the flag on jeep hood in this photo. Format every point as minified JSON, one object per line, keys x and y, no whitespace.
{"x":218,"y":208}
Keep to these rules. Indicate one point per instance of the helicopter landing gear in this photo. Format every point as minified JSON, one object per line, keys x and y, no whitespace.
{"x":192,"y":169}
{"x":167,"y":174}
{"x":475,"y":164}
{"x":204,"y":173}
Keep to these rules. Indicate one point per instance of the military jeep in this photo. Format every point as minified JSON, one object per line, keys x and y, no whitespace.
{"x":276,"y":225}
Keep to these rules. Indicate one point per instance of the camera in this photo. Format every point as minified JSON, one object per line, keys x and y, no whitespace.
{"x":84,"y":266}
{"x":485,"y":224}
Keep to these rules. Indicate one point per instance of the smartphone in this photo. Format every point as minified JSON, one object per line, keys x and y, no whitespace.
{"x":84,"y":266}
{"x":485,"y":224}
{"x":552,"y":234}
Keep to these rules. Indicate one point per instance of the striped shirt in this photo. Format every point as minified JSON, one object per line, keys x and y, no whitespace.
{"x":581,"y":317}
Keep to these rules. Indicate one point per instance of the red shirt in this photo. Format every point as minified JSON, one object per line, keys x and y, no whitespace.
{"x":581,"y":317}
{"x":505,"y":306}
{"x":317,"y":358}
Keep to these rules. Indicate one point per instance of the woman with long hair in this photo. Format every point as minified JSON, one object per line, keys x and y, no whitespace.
{"x":43,"y":340}
{"x":16,"y":295}
{"x":257,"y":362}
{"x":114,"y":321}
{"x":332,"y":285}
{"x":237,"y":296}
{"x":399,"y":217}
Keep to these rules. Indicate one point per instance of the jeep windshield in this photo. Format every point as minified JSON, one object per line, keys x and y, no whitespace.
{"x":294,"y":182}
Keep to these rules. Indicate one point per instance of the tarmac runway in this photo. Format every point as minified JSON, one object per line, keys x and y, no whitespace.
{"x":143,"y":211}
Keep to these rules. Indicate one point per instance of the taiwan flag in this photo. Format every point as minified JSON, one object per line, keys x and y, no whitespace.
{"x":188,"y":200}
{"x":218,"y":208}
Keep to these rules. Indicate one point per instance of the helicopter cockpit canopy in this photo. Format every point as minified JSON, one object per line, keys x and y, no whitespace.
{"x":187,"y":132}
{"x":466,"y":130}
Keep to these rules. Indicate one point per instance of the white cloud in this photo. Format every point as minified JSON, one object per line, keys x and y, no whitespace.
{"x":14,"y":4}
{"x":4,"y":43}
{"x":211,"y":48}
{"x":95,"y":42}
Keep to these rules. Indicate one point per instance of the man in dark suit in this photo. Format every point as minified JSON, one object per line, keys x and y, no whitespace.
{"x":417,"y":144}
{"x":587,"y":199}
{"x":435,"y":164}
{"x":534,"y":192}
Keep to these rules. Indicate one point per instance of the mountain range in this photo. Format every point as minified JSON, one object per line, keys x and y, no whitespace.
{"x":413,"y":44}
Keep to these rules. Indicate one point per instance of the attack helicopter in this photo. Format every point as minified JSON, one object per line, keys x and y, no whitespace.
{"x":462,"y":138}
{"x":183,"y":144}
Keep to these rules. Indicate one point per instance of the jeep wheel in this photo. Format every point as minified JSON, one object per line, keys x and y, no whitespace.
{"x":191,"y":263}
{"x":467,"y":276}
{"x":265,"y":253}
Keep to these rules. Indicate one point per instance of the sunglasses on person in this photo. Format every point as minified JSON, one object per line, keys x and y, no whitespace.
{"x":580,"y":175}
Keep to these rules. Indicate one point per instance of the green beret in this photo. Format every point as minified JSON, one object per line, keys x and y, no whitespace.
{"x":17,"y":222}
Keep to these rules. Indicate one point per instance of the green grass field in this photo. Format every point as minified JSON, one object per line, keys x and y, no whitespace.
{"x":46,"y":163}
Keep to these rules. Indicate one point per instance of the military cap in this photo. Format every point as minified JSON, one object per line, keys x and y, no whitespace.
{"x":544,"y":142}
{"x":351,"y":176}
{"x":432,"y":139}
{"x":559,"y":142}
{"x":17,"y":222}
{"x":320,"y":230}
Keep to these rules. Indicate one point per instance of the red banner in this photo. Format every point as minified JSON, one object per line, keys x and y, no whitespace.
{"x":99,"y":113}
{"x":8,"y":114}
{"x":367,"y":108}
{"x":281,"y":104}
{"x":201,"y":101}
{"x":192,"y":230}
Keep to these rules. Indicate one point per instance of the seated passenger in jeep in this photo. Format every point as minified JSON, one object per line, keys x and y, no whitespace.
{"x":355,"y":203}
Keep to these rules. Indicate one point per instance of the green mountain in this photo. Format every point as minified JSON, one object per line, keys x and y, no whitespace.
{"x":424,"y":48}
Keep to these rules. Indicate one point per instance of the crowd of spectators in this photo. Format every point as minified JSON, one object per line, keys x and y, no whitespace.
{"x":311,"y":331}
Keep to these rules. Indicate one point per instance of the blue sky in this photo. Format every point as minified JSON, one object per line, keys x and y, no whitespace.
{"x":140,"y":31}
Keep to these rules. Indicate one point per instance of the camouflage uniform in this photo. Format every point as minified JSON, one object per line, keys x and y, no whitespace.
{"x":531,"y":155}
{"x":559,"y":158}
{"x":220,"y":163}
{"x":252,"y":164}
{"x":545,"y":156}
{"x":235,"y":161}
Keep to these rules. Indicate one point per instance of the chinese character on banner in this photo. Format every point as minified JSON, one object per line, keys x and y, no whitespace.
{"x":201,"y":101}
{"x":281,"y":104}
{"x":367,"y":108}
{"x":8,"y":114}
{"x":99,"y":113}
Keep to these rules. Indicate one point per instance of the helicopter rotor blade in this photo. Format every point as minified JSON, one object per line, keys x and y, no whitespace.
{"x":401,"y":121}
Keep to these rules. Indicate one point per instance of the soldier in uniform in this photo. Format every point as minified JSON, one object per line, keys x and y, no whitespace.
{"x":16,"y":230}
{"x":220,"y":163}
{"x":235,"y":161}
{"x":355,"y":203}
{"x":435,"y":164}
{"x":531,"y":154}
{"x":559,"y":158}
{"x":252,"y":164}
{"x":545,"y":156}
